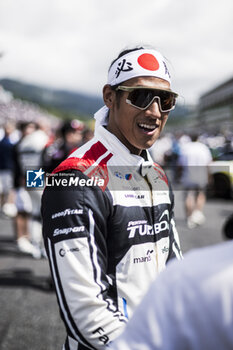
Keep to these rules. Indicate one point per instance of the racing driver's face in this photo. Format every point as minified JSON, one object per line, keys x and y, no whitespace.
{"x":136,"y":129}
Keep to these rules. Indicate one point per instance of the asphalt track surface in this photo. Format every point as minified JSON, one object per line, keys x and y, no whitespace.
{"x":29,"y":314}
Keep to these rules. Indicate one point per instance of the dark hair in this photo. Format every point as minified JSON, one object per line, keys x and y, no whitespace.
{"x":22,"y":125}
{"x":194,"y":136}
{"x":125,"y":52}
{"x":71,"y":125}
{"x":228,"y":227}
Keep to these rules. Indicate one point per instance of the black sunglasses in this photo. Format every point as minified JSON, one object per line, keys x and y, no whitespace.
{"x":142,"y":97}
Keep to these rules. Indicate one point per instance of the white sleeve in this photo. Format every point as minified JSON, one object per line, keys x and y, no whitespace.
{"x":189,"y":306}
{"x":155,"y":323}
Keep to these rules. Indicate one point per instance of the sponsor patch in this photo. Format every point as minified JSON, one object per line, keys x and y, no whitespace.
{"x":67,"y":230}
{"x":63,"y":252}
{"x":143,"y":259}
{"x":67,"y":212}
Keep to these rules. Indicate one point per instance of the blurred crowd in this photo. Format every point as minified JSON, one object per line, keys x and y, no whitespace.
{"x":34,"y":144}
{"x":33,"y":139}
{"x":187,"y":159}
{"x":167,"y":150}
{"x":29,"y":144}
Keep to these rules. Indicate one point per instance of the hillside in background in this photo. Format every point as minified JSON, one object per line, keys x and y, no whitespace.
{"x":63,"y":100}
{"x":68,"y":101}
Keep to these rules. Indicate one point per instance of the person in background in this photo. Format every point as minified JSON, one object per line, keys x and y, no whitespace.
{"x":112,"y":231}
{"x":27,"y":155}
{"x":88,"y":134}
{"x":189,"y":306}
{"x":194,"y":160}
{"x":70,"y":137}
{"x":160,"y":148}
{"x":6,"y":171}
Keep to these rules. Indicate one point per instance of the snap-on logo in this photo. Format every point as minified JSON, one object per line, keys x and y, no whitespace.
{"x":67,"y":230}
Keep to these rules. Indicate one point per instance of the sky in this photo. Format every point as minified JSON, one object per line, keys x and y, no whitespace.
{"x":69,"y":44}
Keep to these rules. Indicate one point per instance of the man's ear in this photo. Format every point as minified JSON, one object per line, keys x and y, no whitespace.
{"x":108,"y":95}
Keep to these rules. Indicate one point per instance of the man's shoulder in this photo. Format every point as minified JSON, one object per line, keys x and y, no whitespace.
{"x":90,"y":160}
{"x":86,"y":157}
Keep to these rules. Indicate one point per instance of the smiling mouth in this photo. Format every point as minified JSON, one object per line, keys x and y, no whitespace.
{"x":147,"y":127}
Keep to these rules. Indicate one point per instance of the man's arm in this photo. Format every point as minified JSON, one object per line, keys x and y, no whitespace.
{"x":75,"y":232}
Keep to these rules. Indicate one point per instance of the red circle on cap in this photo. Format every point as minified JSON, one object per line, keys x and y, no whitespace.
{"x":148,"y":61}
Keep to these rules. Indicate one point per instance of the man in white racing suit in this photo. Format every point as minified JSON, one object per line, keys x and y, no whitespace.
{"x":108,"y":209}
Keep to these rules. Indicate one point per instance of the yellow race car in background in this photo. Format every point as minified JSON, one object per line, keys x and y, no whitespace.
{"x":221,"y":171}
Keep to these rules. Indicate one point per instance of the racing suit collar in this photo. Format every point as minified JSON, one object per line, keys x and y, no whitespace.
{"x":114,"y":145}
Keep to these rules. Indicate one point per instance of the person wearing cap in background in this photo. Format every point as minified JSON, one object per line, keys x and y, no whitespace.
{"x":70,"y":139}
{"x":112,"y":231}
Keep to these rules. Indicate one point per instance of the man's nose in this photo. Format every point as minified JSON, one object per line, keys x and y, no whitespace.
{"x":153,"y":110}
